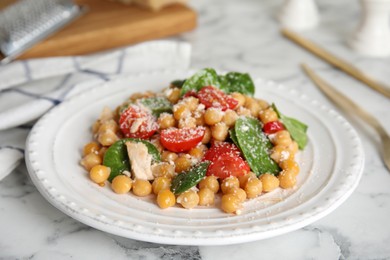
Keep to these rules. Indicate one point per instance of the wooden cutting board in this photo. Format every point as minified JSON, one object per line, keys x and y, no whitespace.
{"x":109,"y":25}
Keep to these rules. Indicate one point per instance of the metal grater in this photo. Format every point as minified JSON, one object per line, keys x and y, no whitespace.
{"x":27,"y":22}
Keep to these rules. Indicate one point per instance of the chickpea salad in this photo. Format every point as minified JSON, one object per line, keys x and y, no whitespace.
{"x":204,"y":141}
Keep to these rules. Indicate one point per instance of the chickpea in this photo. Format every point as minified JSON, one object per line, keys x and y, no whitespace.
{"x":136,"y":96}
{"x":92,"y":147}
{"x":263,"y":104}
{"x":148,"y":94}
{"x":210,"y":182}
{"x":165,"y":199}
{"x":189,"y":122}
{"x":230,"y":117}
{"x":280,"y":153}
{"x":163,"y":169}
{"x":181,"y":111}
{"x":141,"y":187}
{"x":168,"y":156}
{"x":106,"y":114}
{"x":229,"y":183}
{"x":244,"y":179}
{"x":166,"y":120}
{"x":161,"y":183}
{"x":107,"y":138}
{"x":206,"y":197}
{"x":102,"y":152}
{"x":95,"y":126}
{"x":207,"y":135}
{"x":197,"y":152}
{"x":182,"y":163}
{"x":121,"y":184}
{"x":253,"y":188}
{"x":99,"y":173}
{"x":192,"y":103}
{"x":188,"y":199}
{"x":269,"y":181}
{"x":293,"y":148}
{"x":253,"y":106}
{"x":117,"y":111}
{"x":240,"y":193}
{"x":110,"y":125}
{"x":199,"y":119}
{"x":90,"y":160}
{"x":231,"y":203}
{"x":290,"y":165}
{"x":213,"y":116}
{"x":287,"y":179}
{"x":173,"y":95}
{"x":242,"y":111}
{"x":219,"y":131}
{"x":282,"y":138}
{"x":239,"y":97}
{"x":268,"y":115}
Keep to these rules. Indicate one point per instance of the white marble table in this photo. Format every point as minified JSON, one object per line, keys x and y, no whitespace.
{"x":242,"y":36}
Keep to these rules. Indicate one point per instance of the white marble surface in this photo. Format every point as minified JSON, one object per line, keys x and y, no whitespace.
{"x":243,"y":36}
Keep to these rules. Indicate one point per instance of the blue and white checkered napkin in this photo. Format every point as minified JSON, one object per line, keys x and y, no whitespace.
{"x":30,"y":88}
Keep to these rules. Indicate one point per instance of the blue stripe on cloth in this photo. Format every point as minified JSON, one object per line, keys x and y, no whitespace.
{"x":96,"y":73}
{"x":27,"y":70}
{"x":120,"y":62}
{"x":63,"y":82}
{"x":89,"y":71}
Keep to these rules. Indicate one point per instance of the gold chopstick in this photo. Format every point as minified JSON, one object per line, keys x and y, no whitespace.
{"x":337,"y":62}
{"x":351,"y":107}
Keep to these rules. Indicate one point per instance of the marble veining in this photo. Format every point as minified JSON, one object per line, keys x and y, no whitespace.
{"x":243,"y":36}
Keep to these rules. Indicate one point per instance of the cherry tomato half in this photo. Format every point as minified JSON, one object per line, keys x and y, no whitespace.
{"x":225,"y":161}
{"x":273,"y":127}
{"x":191,"y":93}
{"x":213,"y":97}
{"x":220,"y":148}
{"x":226,"y":165}
{"x":136,"y":122}
{"x":181,"y":139}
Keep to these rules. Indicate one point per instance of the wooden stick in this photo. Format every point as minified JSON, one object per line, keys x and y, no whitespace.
{"x":353,"y":108}
{"x":337,"y":62}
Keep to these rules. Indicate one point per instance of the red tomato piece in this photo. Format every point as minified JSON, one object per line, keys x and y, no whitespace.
{"x":225,"y":161}
{"x":273,"y":127}
{"x":181,"y":139}
{"x":191,"y":93}
{"x":220,"y":148}
{"x":226,"y":165}
{"x":136,"y":122}
{"x":213,"y":97}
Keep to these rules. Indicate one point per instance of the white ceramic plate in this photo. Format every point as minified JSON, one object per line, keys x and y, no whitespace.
{"x":331,"y":166}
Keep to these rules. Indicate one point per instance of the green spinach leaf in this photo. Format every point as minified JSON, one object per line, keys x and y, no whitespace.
{"x":255,"y":146}
{"x":178,"y":83}
{"x":204,"y":77}
{"x":231,"y":82}
{"x":233,"y":136}
{"x":157,"y":105}
{"x":238,"y":82}
{"x":296,"y":128}
{"x":186,"y":180}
